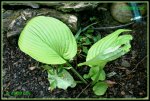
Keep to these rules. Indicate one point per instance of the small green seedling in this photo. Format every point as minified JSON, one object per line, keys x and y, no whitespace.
{"x":50,"y":41}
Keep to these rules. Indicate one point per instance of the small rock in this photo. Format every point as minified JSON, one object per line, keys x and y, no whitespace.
{"x":41,"y":83}
{"x":111,"y":74}
{"x":141,"y":93}
{"x":129,"y":96}
{"x":110,"y":83}
{"x":125,"y":63}
{"x":19,"y":88}
{"x":121,"y":12}
{"x":15,"y":76}
{"x":138,"y":83}
{"x":131,"y":92}
{"x":123,"y":93}
{"x":72,"y":20}
{"x":23,"y":71}
{"x":41,"y":93}
{"x":23,"y":88}
{"x":128,"y":72}
{"x":39,"y":78}
{"x":4,"y":71}
{"x":32,"y":68}
{"x":134,"y":54}
{"x":122,"y":84}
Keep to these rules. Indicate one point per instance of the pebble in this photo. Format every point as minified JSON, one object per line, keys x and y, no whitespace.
{"x":32,"y":68}
{"x":111,"y":74}
{"x":4,"y":72}
{"x":125,"y":63}
{"x":123,"y":93}
{"x":41,"y":93}
{"x":23,"y":88}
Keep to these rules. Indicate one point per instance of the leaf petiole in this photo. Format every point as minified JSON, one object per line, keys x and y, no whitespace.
{"x":73,"y":70}
{"x":97,"y":76}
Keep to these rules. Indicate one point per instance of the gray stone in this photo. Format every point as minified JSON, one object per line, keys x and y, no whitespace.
{"x":111,"y":74}
{"x":15,"y":21}
{"x":121,"y":12}
{"x":78,"y":6}
{"x":32,"y":68}
{"x":4,"y":72}
{"x":51,"y":4}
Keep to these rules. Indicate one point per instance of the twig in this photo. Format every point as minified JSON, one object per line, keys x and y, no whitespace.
{"x":138,"y":64}
{"x":113,"y":27}
{"x":7,"y":86}
{"x":15,"y":88}
{"x":83,"y":90}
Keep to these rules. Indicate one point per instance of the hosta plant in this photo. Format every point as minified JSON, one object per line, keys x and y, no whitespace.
{"x":107,"y":49}
{"x":50,"y":41}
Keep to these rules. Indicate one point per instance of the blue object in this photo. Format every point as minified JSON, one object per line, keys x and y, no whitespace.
{"x":136,"y":13}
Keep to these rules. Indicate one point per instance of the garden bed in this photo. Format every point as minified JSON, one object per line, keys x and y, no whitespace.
{"x":127,"y":75}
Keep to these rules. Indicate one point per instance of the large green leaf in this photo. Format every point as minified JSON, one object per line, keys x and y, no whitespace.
{"x":48,"y":40}
{"x":60,"y":78}
{"x":100,"y":88}
{"x":103,"y":44}
{"x":107,"y":49}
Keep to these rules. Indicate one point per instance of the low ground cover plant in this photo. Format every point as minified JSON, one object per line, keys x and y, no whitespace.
{"x":51,"y":42}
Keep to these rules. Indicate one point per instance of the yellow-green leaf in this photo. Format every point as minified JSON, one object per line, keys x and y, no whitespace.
{"x":108,"y":48}
{"x":48,"y":40}
{"x":100,"y":88}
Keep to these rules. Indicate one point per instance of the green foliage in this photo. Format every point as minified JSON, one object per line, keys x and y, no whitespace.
{"x":107,"y":49}
{"x":85,"y":39}
{"x":100,"y":88}
{"x":59,"y":77}
{"x":82,"y":30}
{"x":48,"y":40}
{"x":94,"y":72}
{"x":94,"y":19}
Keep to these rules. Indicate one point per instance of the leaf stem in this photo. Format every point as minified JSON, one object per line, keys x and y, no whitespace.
{"x":82,"y":79}
{"x":97,"y":76}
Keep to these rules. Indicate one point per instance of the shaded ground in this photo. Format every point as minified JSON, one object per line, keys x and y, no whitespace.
{"x":131,"y":81}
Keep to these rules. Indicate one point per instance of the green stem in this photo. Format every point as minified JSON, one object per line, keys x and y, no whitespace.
{"x":78,"y":75}
{"x":79,"y":82}
{"x":97,"y":76}
{"x":82,"y":79}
